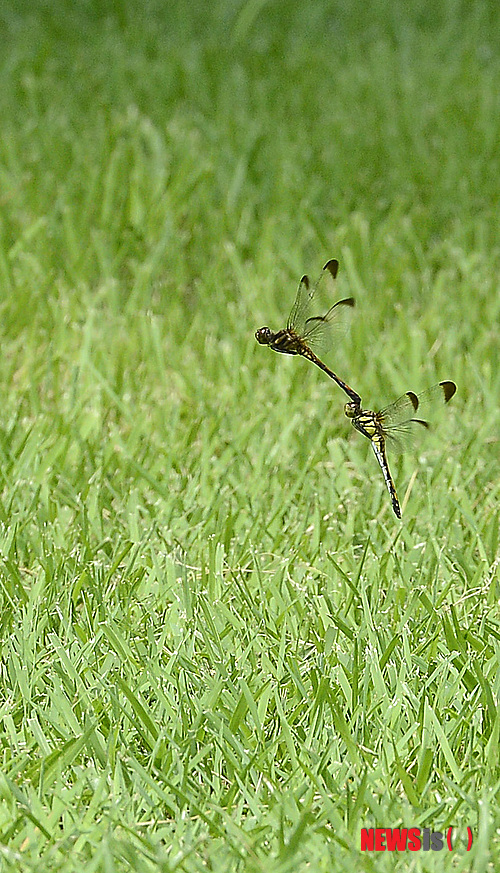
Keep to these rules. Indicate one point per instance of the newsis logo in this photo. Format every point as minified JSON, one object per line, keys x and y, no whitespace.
{"x":409,"y":839}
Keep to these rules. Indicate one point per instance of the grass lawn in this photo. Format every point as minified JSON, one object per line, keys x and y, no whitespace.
{"x":220,"y":650}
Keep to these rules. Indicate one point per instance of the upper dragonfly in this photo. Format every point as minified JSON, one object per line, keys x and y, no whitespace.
{"x":305,"y":333}
{"x":396,"y":427}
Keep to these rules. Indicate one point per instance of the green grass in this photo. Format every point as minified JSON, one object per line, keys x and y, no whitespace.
{"x":219,"y":648}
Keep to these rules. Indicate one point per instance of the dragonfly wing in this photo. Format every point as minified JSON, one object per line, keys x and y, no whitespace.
{"x":398,"y":421}
{"x":303,"y":298}
{"x":435,"y":397}
{"x":320,"y":331}
{"x":332,"y":267}
{"x":403,"y":409}
{"x":306,"y":294}
{"x":404,"y":437}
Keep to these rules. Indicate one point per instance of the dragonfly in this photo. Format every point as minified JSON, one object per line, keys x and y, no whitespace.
{"x":395,"y":427}
{"x":306,"y":334}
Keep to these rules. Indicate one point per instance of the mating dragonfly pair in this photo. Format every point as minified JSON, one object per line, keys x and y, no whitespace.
{"x":393,"y":427}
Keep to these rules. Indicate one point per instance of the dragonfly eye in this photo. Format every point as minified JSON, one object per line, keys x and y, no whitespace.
{"x":263,"y":335}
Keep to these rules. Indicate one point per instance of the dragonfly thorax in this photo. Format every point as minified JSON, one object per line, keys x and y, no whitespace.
{"x":367,"y":424}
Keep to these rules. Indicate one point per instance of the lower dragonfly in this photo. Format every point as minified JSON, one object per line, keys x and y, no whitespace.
{"x":305,"y":334}
{"x":395,"y":427}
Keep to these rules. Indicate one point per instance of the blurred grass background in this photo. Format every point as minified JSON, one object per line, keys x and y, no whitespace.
{"x":220,"y":650}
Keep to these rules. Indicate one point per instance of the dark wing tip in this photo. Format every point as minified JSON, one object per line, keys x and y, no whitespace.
{"x":348,"y":301}
{"x":313,"y":321}
{"x":333,"y":267}
{"x":414,"y":399}
{"x":449,"y":389}
{"x":305,"y":281}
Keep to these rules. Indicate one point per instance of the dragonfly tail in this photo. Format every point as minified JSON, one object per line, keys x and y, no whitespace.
{"x":379,"y":450}
{"x":355,"y":398}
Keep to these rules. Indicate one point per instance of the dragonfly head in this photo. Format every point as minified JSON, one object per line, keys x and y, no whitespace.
{"x":352,"y":409}
{"x":264,"y":335}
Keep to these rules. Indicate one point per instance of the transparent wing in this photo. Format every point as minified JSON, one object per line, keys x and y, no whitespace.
{"x":435,"y":397}
{"x":399,"y":422}
{"x":306,"y":294}
{"x":406,"y":407}
{"x":403,"y":409}
{"x":303,"y":299}
{"x":321,"y":331}
{"x":404,"y":437}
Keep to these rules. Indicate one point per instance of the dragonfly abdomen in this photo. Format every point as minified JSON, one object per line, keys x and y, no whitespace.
{"x":378,"y":445}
